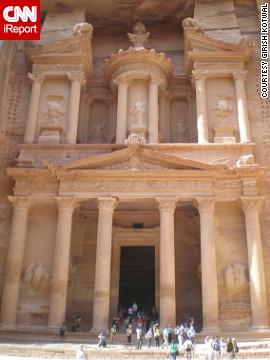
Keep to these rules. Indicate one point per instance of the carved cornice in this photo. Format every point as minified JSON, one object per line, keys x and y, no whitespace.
{"x":143,"y":62}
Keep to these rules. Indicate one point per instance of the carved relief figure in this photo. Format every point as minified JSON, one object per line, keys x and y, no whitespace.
{"x":222,"y":108}
{"x":236,"y":281}
{"x":246,"y":160}
{"x":36,"y":276}
{"x":53,"y":110}
{"x":180,"y":131}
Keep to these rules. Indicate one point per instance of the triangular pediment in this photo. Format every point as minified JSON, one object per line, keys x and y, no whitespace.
{"x":134,"y":157}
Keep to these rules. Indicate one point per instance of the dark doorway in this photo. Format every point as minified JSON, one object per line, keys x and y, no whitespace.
{"x":137,"y":276}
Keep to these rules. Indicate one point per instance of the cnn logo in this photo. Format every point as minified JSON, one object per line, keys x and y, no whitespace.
{"x":20,"y":20}
{"x":17,"y":13}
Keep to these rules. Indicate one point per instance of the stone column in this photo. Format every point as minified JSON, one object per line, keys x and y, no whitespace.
{"x":153,"y":110}
{"x":101,"y":307}
{"x":210,"y":310}
{"x":58,"y":301}
{"x":243,"y":123}
{"x":122,"y":107}
{"x":15,"y":254}
{"x":199,"y":78}
{"x":31,"y":122}
{"x":77,"y":80}
{"x":167,"y":262}
{"x":162,"y":111}
{"x":250,"y":206}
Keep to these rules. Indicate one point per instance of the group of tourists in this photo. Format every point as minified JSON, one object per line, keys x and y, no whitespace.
{"x":219,"y":348}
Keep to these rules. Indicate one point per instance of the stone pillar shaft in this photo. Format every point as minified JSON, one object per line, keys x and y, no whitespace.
{"x":101,"y":307}
{"x":202,"y":123}
{"x":30,"y":128}
{"x":210,"y":308}
{"x":255,"y":259}
{"x":58,"y":301}
{"x":162,"y":123}
{"x":121,"y":125}
{"x":167,"y":262}
{"x":153,"y":112}
{"x":243,"y":123}
{"x":77,"y":80}
{"x":14,"y":259}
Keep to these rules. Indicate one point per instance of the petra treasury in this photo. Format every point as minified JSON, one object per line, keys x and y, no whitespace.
{"x":134,"y":166}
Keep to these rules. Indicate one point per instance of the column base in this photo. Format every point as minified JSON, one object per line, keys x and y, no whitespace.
{"x":211,"y":330}
{"x":260,"y":329}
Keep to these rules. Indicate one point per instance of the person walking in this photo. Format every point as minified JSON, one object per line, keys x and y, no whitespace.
{"x":139,"y":332}
{"x":112,"y":334}
{"x":80,"y":354}
{"x":148,"y":337}
{"x":62,"y":330}
{"x":156,"y":331}
{"x":174,"y":350}
{"x":217,"y":348}
{"x":129,"y":333}
{"x":229,"y":349}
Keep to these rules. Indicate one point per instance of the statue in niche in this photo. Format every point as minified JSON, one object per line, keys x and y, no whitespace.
{"x":180,"y":131}
{"x":53,"y":111}
{"x":236,"y":281}
{"x":139,"y":36}
{"x":222,"y":108}
{"x":138,"y":112}
{"x":98,"y":130}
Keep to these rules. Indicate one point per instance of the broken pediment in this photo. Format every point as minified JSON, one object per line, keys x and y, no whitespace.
{"x":63,"y":52}
{"x":134,"y":157}
{"x":202,"y":48}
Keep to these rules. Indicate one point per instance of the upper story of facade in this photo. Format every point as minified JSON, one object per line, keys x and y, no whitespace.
{"x":167,"y":84}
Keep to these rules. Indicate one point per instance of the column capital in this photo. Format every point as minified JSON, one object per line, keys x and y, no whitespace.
{"x":20,"y":202}
{"x":205,"y":203}
{"x":199,"y":74}
{"x":121,"y":79}
{"x":66,"y":203}
{"x":250,"y":203}
{"x":156,"y":80}
{"x":109,"y":203}
{"x":76,"y":76}
{"x":37,"y":77}
{"x":165,"y":203}
{"x":239,"y":75}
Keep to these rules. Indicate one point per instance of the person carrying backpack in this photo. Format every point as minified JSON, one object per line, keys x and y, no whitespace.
{"x":229,"y":349}
{"x":216,"y":348}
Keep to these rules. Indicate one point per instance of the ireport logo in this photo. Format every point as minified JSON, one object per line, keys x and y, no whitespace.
{"x":19,"y":19}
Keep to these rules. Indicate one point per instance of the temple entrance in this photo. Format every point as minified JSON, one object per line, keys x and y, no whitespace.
{"x":137,"y":276}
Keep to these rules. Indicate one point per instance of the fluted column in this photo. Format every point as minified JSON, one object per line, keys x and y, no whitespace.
{"x":21,"y":208}
{"x":199,"y":78}
{"x":243,"y":123}
{"x":77,"y":80}
{"x":58,"y":301}
{"x":153,"y":110}
{"x":250,"y":206}
{"x":101,"y":307}
{"x":167,"y":262}
{"x":122,"y":106}
{"x":31,"y":122}
{"x":210,"y":310}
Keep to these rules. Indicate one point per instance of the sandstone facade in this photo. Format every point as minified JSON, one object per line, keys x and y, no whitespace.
{"x":136,"y":126}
